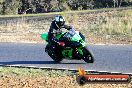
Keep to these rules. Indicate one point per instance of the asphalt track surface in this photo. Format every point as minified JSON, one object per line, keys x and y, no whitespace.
{"x":108,"y":58}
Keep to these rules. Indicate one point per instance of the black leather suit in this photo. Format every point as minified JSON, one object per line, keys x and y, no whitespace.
{"x":53,"y":30}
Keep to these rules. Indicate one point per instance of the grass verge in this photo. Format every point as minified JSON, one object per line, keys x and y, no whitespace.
{"x":112,"y":27}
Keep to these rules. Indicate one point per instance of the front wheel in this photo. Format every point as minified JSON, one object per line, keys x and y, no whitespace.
{"x":87,"y":56}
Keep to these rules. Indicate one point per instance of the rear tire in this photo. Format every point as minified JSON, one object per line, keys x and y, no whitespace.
{"x":87,"y":57}
{"x":54,"y":56}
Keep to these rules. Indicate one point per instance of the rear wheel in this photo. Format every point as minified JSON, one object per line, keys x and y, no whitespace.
{"x":87,"y":56}
{"x":55,"y":56}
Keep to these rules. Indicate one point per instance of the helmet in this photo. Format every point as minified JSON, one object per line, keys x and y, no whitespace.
{"x":59,"y":21}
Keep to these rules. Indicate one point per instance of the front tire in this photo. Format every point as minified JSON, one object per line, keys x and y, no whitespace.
{"x":87,"y":56}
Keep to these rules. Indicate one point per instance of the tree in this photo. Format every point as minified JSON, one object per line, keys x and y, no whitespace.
{"x":10,"y":6}
{"x":118,"y":3}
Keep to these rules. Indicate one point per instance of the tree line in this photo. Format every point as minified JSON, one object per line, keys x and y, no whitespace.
{"x":45,"y":6}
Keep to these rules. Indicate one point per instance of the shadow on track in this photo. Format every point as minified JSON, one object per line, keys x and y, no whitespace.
{"x":34,"y":62}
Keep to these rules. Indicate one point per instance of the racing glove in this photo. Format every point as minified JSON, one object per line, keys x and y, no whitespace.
{"x":61,"y":43}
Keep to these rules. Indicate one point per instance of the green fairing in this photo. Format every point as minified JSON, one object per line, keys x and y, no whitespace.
{"x":76,"y":38}
{"x":59,"y":35}
{"x":67,"y":52}
{"x":44,"y":36}
{"x":80,"y":51}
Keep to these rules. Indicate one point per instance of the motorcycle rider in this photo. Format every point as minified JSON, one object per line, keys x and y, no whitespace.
{"x":56,"y":27}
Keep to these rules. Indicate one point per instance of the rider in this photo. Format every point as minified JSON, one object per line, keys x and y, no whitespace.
{"x":56,"y":27}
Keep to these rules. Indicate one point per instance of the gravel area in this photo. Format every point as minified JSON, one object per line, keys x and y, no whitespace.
{"x":11,"y":77}
{"x":13,"y":81}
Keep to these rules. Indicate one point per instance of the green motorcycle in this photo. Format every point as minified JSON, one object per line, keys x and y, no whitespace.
{"x":76,"y":39}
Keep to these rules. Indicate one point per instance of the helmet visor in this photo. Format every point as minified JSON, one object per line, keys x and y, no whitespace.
{"x":61,"y":23}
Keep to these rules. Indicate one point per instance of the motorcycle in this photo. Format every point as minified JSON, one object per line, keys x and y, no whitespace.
{"x":76,"y":39}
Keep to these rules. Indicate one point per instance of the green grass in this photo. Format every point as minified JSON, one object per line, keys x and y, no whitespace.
{"x":32,"y":72}
{"x":119,"y":23}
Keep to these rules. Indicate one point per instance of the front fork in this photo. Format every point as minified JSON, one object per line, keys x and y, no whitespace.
{"x":77,"y":53}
